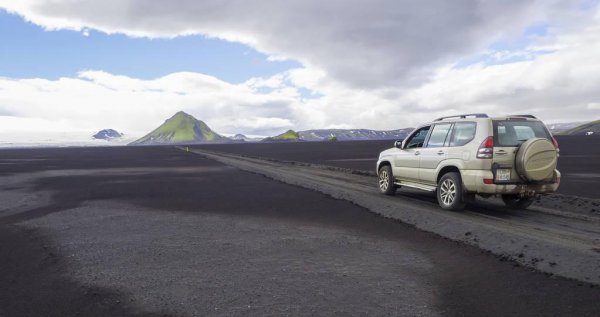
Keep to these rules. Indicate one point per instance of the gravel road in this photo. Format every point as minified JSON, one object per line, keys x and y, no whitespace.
{"x":579,"y":160}
{"x":555,"y":241}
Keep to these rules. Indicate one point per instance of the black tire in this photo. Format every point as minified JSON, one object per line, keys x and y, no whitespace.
{"x":450,"y":193}
{"x":517,"y":202}
{"x":386,"y":181}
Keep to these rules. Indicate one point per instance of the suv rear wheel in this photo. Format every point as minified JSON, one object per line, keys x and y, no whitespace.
{"x":517,"y":202}
{"x":450,"y":192}
{"x":386,"y":181}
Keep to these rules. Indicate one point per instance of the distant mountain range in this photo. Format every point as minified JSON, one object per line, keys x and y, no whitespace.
{"x":353,"y":134}
{"x":181,"y":128}
{"x":557,"y":128}
{"x":590,"y":128}
{"x":241,"y":137}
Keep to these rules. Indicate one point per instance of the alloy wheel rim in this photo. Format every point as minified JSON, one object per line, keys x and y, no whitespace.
{"x":448,"y":192}
{"x":383,"y":180}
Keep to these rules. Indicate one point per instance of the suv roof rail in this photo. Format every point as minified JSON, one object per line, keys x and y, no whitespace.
{"x":463,"y":116}
{"x":523,"y":116}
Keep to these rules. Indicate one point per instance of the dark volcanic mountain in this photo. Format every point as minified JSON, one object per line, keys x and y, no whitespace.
{"x":107,"y":134}
{"x":558,"y":128}
{"x":179,"y":129}
{"x":590,"y":128}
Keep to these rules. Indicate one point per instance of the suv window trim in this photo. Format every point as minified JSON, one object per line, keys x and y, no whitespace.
{"x":449,"y":136}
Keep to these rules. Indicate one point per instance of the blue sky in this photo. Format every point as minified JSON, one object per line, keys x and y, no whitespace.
{"x":509,"y":50}
{"x":28,"y":51}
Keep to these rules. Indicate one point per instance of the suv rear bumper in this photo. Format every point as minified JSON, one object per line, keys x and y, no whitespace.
{"x":473,"y":182}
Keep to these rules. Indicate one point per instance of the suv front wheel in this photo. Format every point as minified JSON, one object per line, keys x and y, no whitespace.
{"x":450,"y":192}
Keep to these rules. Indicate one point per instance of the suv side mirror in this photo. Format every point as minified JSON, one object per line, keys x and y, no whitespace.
{"x":399,"y":144}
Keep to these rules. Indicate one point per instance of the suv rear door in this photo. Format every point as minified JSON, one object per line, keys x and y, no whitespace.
{"x":509,"y":134}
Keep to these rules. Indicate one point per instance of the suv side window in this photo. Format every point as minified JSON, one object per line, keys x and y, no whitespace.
{"x":463,"y":133}
{"x":417,"y":139}
{"x":438,"y":135}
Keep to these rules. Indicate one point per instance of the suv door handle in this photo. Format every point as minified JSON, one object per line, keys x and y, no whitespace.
{"x":440,"y":152}
{"x":500,"y":152}
{"x":417,"y":153}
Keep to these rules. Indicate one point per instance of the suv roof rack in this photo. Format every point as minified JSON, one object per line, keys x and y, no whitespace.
{"x":523,"y":116}
{"x":463,"y":116}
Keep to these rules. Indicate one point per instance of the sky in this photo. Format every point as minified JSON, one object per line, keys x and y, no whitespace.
{"x":262,"y":67}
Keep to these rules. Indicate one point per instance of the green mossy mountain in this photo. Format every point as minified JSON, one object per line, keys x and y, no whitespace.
{"x":181,"y":128}
{"x":289,"y":135}
{"x":588,"y":128}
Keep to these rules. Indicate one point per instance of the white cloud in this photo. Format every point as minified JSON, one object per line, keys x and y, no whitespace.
{"x":364,"y":64}
{"x":96,"y":100}
{"x":558,"y":86}
{"x":360,"y":43}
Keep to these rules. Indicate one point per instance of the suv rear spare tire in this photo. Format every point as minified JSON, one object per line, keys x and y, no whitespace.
{"x":536,"y":160}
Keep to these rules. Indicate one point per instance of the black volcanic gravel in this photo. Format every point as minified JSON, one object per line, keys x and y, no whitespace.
{"x":157,"y":231}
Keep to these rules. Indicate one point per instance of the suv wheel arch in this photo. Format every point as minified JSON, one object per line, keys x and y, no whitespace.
{"x":447,"y":169}
{"x":382,"y":164}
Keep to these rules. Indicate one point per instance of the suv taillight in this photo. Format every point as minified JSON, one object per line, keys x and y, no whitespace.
{"x":486,"y":149}
{"x":555,"y":144}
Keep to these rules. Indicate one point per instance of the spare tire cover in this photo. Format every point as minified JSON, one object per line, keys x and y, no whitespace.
{"x":536,"y":160}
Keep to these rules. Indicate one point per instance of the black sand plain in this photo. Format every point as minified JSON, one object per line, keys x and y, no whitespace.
{"x":137,"y":231}
{"x":579,"y":160}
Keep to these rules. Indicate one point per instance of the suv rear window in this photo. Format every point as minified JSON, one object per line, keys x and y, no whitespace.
{"x":513,"y":133}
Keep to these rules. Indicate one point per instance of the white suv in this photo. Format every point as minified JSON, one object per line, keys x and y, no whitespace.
{"x":461,"y":156}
